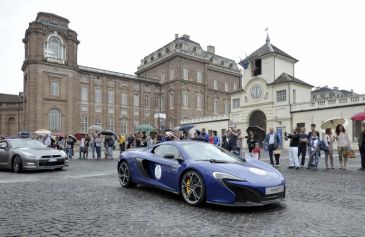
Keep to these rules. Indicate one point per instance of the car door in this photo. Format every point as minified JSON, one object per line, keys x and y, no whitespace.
{"x":166,"y":169}
{"x":4,"y":153}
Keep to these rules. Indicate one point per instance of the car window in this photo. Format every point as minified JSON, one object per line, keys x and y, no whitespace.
{"x":207,"y":152}
{"x":162,"y":150}
{"x":3,"y":144}
{"x":28,"y":143}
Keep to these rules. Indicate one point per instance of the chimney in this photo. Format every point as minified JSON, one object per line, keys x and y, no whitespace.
{"x":176,"y":36}
{"x":186,"y":36}
{"x":211,"y":49}
{"x":352,"y":90}
{"x":326,"y":86}
{"x":335,"y":88}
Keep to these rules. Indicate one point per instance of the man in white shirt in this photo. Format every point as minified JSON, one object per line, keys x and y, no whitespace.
{"x":272,"y":141}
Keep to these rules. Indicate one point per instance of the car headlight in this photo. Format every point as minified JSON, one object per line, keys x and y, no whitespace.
{"x":63,"y":153}
{"x":223,"y":176}
{"x":29,"y":155}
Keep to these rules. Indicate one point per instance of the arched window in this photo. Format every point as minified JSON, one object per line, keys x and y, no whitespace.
{"x":54,"y":120}
{"x":54,"y":48}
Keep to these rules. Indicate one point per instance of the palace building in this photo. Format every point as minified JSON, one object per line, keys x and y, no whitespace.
{"x":272,"y":97}
{"x":180,"y":80}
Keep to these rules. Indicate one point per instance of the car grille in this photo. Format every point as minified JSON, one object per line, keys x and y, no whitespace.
{"x":245,"y":194}
{"x":51,"y":156}
{"x":46,"y":163}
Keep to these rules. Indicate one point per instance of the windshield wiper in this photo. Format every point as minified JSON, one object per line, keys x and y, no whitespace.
{"x":217,"y":161}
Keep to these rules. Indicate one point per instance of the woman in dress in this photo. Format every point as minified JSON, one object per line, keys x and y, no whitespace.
{"x":328,"y":140}
{"x":343,"y":145}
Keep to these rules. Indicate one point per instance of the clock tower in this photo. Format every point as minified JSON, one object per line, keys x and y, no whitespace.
{"x":269,"y":90}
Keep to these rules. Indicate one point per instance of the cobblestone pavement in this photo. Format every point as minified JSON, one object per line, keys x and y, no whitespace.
{"x":87,"y":200}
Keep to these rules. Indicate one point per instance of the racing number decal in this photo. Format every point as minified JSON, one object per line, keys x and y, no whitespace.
{"x":158,"y":172}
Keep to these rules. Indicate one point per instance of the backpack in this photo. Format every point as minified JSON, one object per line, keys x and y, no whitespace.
{"x":323,"y":146}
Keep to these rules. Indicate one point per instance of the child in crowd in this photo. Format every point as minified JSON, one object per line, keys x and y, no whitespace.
{"x":314,"y":151}
{"x":256,"y":152}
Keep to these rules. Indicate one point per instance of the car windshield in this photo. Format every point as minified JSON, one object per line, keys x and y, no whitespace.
{"x":208,"y":152}
{"x":25,"y":143}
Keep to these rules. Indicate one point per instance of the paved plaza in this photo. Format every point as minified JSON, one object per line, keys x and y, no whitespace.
{"x":86,"y":199}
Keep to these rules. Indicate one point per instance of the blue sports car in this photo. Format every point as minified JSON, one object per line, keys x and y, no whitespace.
{"x":202,"y":172}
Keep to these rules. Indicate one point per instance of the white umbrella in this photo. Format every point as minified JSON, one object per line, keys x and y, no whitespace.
{"x":95,"y":127}
{"x":43,"y":132}
{"x":332,"y":123}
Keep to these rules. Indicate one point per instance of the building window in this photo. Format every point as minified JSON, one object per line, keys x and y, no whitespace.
{"x":136,"y":100}
{"x":54,"y":88}
{"x":98,"y":99}
{"x":84,"y":93}
{"x":172,"y":74}
{"x":123,"y":127}
{"x":226,"y":107}
{"x":54,"y":49}
{"x":54,"y":120}
{"x":84,"y":125}
{"x":171,"y":100}
{"x":124,"y":99}
{"x":146,"y":101}
{"x":162,"y":76}
{"x":199,"y":102}
{"x":162,"y":103}
{"x":157,"y":102}
{"x":98,"y":122}
{"x":294,"y":96}
{"x":185,"y":73}
{"x":136,"y":112}
{"x":135,"y":124}
{"x":110,"y":101}
{"x":225,"y":86}
{"x":236,"y":103}
{"x":199,"y":76}
{"x":215,"y":106}
{"x":111,"y":124}
{"x":215,"y":85}
{"x":256,"y":67}
{"x":185,"y":99}
{"x":281,"y":95}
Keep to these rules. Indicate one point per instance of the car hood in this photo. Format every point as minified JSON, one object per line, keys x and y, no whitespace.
{"x":40,"y":152}
{"x":256,"y":173}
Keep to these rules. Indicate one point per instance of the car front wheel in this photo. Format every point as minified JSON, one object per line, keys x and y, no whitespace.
{"x":193,"y":188}
{"x":125,"y":175}
{"x":17,"y":164}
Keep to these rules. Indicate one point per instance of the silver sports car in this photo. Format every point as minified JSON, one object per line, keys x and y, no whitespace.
{"x":26,"y":154}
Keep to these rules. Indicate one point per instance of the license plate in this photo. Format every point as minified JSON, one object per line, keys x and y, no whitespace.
{"x":273,"y":190}
{"x":52,"y":160}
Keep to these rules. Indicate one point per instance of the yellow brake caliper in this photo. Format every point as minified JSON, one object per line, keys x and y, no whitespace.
{"x":188,"y":187}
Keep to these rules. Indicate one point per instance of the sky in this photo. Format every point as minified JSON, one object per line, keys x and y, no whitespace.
{"x":327,"y":37}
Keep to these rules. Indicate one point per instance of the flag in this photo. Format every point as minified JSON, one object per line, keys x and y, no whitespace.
{"x":244,"y":63}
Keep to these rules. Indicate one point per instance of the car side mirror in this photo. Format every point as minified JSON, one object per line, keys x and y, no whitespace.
{"x":169,"y":156}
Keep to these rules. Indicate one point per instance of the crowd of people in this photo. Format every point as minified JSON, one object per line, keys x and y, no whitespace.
{"x":300,"y":144}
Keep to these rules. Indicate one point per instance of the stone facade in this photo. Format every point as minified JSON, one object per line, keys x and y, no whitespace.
{"x":180,"y":79}
{"x":11,"y":114}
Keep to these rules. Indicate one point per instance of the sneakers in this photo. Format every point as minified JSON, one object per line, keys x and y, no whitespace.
{"x":297,"y":168}
{"x":290,"y":167}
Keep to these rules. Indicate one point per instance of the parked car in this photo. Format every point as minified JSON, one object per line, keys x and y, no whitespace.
{"x":202,"y":172}
{"x":20,"y":154}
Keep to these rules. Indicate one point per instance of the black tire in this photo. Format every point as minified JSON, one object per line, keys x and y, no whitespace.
{"x":193,"y":188}
{"x":124,"y":175}
{"x":17,"y":164}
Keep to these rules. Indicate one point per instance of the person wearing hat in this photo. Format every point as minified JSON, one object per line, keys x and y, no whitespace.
{"x":362,"y":147}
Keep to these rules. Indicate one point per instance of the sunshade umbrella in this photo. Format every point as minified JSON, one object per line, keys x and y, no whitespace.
{"x":145,"y":128}
{"x":72,"y":137}
{"x":58,"y":134}
{"x":332,"y":123}
{"x":259,"y":133}
{"x":359,"y":116}
{"x":43,"y":132}
{"x":79,"y":135}
{"x":95,"y":127}
{"x":184,"y":127}
{"x":108,"y":132}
